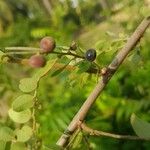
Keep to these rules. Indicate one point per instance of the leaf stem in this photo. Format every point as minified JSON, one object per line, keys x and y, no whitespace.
{"x":93,"y":132}
{"x":33,"y":50}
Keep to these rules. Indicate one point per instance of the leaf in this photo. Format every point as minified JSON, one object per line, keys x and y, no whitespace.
{"x":72,"y":139}
{"x":6,"y":134}
{"x":18,"y":146}
{"x":22,"y":102}
{"x":24,"y":134}
{"x":77,"y":140}
{"x":83,"y":66}
{"x":20,"y":117}
{"x":101,"y":57}
{"x":99,"y":44}
{"x":2,"y":145}
{"x":28,"y":85}
{"x":141,"y":128}
{"x":55,"y":73}
{"x":43,"y":71}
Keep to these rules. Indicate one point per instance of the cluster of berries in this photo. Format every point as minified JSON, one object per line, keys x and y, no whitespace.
{"x":47,"y":45}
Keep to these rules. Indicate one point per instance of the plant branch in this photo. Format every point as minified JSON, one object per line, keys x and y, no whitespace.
{"x":93,"y":132}
{"x":69,"y":53}
{"x":112,"y":67}
{"x":30,"y":50}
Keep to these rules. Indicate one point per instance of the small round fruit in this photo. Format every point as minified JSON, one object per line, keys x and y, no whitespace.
{"x":90,"y":54}
{"x":37,"y":61}
{"x":47,"y":44}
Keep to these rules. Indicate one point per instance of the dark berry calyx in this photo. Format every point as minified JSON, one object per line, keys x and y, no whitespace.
{"x":37,"y":61}
{"x":47,"y":44}
{"x":73,"y":46}
{"x":90,"y":54}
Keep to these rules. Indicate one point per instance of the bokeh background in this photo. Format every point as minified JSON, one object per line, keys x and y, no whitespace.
{"x":100,"y":24}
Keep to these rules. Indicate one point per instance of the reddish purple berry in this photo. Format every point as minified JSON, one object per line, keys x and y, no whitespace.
{"x":37,"y":61}
{"x":47,"y":44}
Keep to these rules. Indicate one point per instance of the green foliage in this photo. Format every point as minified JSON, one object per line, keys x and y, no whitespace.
{"x":83,"y":66}
{"x":20,"y":117}
{"x":28,"y":85}
{"x":140,"y":127}
{"x":22,"y":102}
{"x":24,"y":134}
{"x":53,"y":95}
{"x":43,"y":71}
{"x":18,"y":146}
{"x":77,"y":141}
{"x":6,"y":134}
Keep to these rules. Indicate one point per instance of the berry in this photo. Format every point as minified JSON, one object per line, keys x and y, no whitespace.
{"x":47,"y":44}
{"x":90,"y":54}
{"x":37,"y":61}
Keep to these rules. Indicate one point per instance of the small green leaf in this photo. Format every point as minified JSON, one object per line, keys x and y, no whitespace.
{"x":141,"y":128}
{"x":6,"y":134}
{"x":20,"y":117}
{"x":43,"y":71}
{"x":99,"y":44}
{"x":100,"y":57}
{"x":18,"y":146}
{"x":55,"y":73}
{"x":77,"y":140}
{"x":28,"y":85}
{"x":22,"y":102}
{"x":24,"y":134}
{"x":83,"y":66}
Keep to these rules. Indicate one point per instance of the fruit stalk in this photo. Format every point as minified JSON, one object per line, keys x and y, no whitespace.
{"x":112,"y":67}
{"x":33,"y":50}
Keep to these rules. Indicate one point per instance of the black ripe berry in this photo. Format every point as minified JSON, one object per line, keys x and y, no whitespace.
{"x":90,"y":54}
{"x":47,"y":44}
{"x":37,"y":61}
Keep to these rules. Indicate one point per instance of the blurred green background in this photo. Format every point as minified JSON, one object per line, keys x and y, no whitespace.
{"x":98,"y":24}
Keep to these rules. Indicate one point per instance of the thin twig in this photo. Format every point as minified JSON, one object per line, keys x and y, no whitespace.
{"x":69,"y":53}
{"x":93,"y":132}
{"x":33,"y":112}
{"x":21,"y":49}
{"x":29,"y":50}
{"x":112,"y":67}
